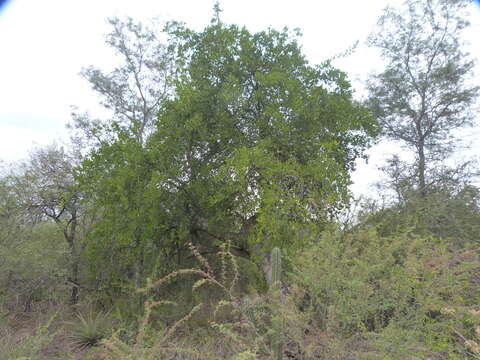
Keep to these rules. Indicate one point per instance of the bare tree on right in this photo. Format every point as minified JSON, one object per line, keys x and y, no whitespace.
{"x":424,"y":94}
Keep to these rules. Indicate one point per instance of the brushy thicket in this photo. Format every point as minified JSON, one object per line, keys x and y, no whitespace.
{"x":232,"y":326}
{"x":348,"y":295}
{"x":353,"y":294}
{"x":401,"y":296}
{"x":33,"y":260}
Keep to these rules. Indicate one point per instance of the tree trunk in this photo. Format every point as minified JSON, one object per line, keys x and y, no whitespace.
{"x":421,"y":169}
{"x":70,"y":237}
{"x":75,"y":288}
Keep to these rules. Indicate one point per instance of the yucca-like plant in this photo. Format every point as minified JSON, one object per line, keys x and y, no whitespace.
{"x":89,"y":330}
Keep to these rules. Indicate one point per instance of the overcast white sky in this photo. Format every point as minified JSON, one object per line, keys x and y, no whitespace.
{"x":44,"y":44}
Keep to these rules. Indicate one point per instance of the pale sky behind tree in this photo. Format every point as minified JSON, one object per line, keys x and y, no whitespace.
{"x":44,"y":45}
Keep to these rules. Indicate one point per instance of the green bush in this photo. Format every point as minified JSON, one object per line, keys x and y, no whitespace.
{"x":391,"y":291}
{"x":33,"y":267}
{"x":446,"y":213}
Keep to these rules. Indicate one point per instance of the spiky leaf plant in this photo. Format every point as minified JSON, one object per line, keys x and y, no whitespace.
{"x":89,"y":330}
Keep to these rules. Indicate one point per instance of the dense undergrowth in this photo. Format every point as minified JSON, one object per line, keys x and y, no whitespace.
{"x":350,"y":294}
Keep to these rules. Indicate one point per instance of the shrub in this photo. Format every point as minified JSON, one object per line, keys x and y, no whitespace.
{"x":389,"y":291}
{"x":238,"y":326}
{"x":32,"y":268}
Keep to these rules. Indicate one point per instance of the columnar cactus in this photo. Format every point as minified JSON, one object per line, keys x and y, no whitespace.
{"x":277,"y":341}
{"x":276,"y":263}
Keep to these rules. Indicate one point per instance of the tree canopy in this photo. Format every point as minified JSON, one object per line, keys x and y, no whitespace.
{"x":255,"y":146}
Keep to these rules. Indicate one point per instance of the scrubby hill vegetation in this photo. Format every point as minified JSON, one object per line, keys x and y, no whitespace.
{"x":205,"y":219}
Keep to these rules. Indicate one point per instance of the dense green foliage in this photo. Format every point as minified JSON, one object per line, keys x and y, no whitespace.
{"x":398,"y":289}
{"x":255,"y":147}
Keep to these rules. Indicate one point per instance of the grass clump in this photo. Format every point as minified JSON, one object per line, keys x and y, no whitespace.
{"x":89,"y":330}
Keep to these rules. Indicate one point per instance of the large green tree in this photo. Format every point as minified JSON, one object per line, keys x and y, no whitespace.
{"x":424,"y":95}
{"x":255,"y":147}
